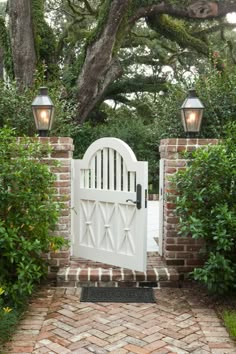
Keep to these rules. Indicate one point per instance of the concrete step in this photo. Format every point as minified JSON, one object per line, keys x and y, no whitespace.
{"x":82,"y":272}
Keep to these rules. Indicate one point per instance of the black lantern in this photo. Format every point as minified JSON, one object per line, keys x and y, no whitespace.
{"x":191,"y":114}
{"x":43,"y":110}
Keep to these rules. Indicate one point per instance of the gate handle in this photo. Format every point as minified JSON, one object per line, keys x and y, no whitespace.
{"x":138,"y":202}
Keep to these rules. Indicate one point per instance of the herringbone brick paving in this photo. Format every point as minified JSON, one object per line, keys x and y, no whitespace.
{"x":179,"y":322}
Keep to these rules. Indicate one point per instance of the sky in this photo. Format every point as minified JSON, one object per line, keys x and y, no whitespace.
{"x":232,"y":17}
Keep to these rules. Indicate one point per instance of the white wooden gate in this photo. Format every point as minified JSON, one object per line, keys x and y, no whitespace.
{"x":109,"y":222}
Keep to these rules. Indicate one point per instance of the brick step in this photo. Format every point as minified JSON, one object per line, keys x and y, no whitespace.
{"x":81,"y":273}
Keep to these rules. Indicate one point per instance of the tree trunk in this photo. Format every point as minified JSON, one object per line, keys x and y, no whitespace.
{"x":100,"y":68}
{"x":22,"y":41}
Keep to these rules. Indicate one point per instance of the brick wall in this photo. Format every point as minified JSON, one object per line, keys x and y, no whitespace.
{"x":179,"y":252}
{"x":62,"y":152}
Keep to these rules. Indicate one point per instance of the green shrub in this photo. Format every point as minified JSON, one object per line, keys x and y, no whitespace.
{"x":230,"y":322}
{"x":16,"y":112}
{"x":8,"y":320}
{"x":217,"y":90}
{"x":28,"y":213}
{"x":206,"y":205}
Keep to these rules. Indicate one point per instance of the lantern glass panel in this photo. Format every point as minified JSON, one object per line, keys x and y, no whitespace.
{"x":192,"y":112}
{"x":43,"y":111}
{"x":43,"y":118}
{"x":192,"y":119}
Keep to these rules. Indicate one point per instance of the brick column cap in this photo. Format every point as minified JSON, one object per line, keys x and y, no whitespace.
{"x":173,"y":148}
{"x":188,"y":141}
{"x":57,"y":143}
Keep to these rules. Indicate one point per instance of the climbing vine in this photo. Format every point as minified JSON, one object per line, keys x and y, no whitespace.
{"x":5,"y":44}
{"x":45,"y":43}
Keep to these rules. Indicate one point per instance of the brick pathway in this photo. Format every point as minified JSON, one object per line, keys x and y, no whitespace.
{"x":178,"y":323}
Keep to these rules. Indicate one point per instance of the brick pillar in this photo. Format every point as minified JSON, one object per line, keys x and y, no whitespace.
{"x":180,"y":252}
{"x":62,"y":152}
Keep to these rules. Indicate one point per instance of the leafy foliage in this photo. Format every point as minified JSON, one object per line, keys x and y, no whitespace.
{"x":28,"y":214}
{"x":217,"y":90}
{"x":8,"y":320}
{"x":206,"y":205}
{"x":230,"y":322}
{"x":16,"y":112}
{"x":45,"y":41}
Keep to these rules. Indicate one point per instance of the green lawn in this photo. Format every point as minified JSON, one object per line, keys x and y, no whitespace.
{"x":229,"y":318}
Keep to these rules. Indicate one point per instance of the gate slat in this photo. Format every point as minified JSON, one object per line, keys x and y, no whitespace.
{"x":105,"y":168}
{"x":111,"y":169}
{"x":125,"y":177}
{"x":132,"y":181}
{"x":82,"y":178}
{"x":118,"y":172}
{"x":86,"y":178}
{"x":99,"y":170}
{"x":92,"y":185}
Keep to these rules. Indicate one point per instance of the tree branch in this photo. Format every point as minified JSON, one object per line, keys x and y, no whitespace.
{"x":140,"y":59}
{"x":74,"y":10}
{"x":89,"y":8}
{"x":201,"y":9}
{"x":121,"y":99}
{"x":176,"y":31}
{"x":137,"y":84}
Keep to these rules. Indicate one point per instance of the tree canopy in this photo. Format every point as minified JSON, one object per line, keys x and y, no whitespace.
{"x":104,"y":50}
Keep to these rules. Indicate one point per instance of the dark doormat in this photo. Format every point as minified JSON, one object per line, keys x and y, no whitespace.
{"x":92,"y":294}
